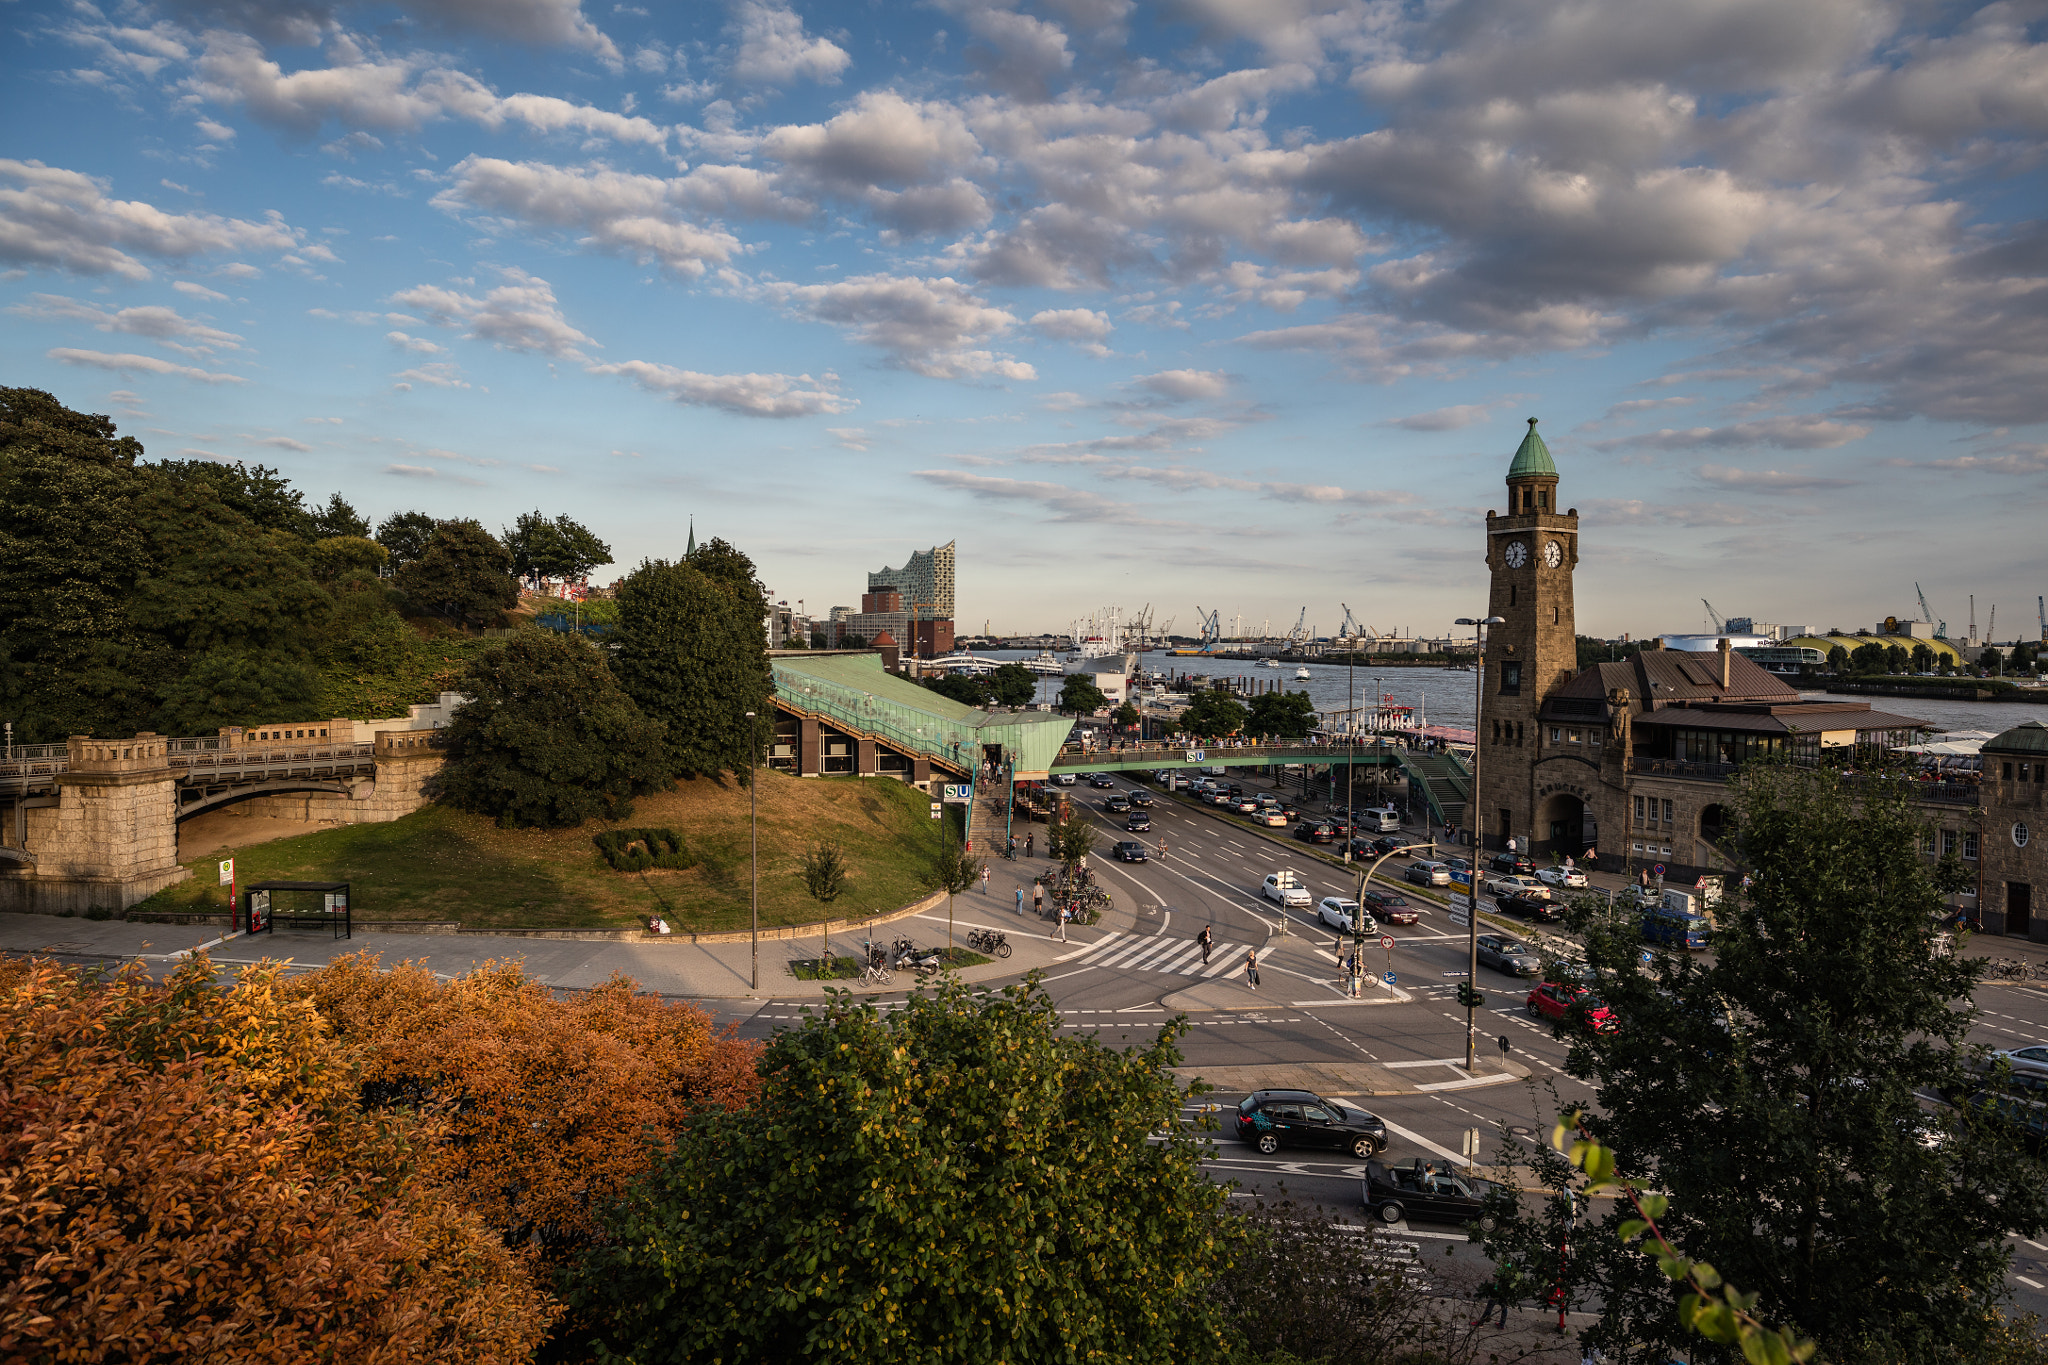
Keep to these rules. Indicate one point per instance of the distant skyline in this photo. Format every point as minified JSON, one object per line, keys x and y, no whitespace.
{"x":1232,"y":302}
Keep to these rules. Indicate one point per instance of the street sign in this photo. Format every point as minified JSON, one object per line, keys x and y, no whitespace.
{"x":1470,"y":1146}
{"x":1388,"y":978}
{"x":937,"y":810}
{"x":227,"y":871}
{"x":1658,"y":869}
{"x":958,"y":792}
{"x":1461,"y":918}
{"x":1387,"y":942}
{"x":1195,"y":755}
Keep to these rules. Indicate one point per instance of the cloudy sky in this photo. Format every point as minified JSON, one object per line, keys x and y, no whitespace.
{"x":1238,"y":303}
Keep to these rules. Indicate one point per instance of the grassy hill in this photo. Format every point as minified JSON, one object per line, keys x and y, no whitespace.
{"x":441,"y":864}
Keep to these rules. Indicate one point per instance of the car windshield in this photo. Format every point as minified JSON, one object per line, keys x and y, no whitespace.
{"x":1515,"y":946}
{"x":1344,"y":905}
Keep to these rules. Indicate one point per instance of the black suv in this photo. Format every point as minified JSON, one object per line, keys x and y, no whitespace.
{"x":1130,"y":851}
{"x":1272,"y":1119}
{"x":1315,"y":832}
{"x":1512,"y":862}
{"x":1418,"y":1191}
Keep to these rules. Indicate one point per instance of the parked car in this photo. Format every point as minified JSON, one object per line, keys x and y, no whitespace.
{"x":1129,"y":851}
{"x":1138,"y":823}
{"x":1568,"y":877}
{"x":1272,"y":1119}
{"x":1101,"y":780}
{"x":1340,"y":912}
{"x":1391,"y":906}
{"x":1511,"y":883}
{"x":1509,"y":955}
{"x":1425,"y":872}
{"x":1118,"y":804}
{"x":1315,"y":832}
{"x":1142,"y":799}
{"x":1512,"y":862}
{"x":1553,"y":1001}
{"x":1419,"y":1192}
{"x":2029,"y":1066}
{"x":1539,"y":908}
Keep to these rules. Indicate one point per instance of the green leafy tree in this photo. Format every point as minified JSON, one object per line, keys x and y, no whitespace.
{"x":951,"y":869}
{"x":1014,"y":684}
{"x":72,"y":660}
{"x":337,"y":518}
{"x":1281,"y":715}
{"x":962,"y":1180}
{"x":1080,"y":696}
{"x":1213,"y":715}
{"x":1922,"y":659}
{"x":819,"y":640}
{"x":2023,"y":657}
{"x":558,"y":548}
{"x":1126,"y":715}
{"x":1069,"y":841}
{"x":1869,"y":658}
{"x":548,"y":738}
{"x":693,"y":653}
{"x":229,"y":686}
{"x":405,"y":535}
{"x":1896,"y":660}
{"x":256,"y":494}
{"x":464,"y":576}
{"x":1838,"y":660}
{"x":1801,"y":1048}
{"x":960,"y":687}
{"x":1991,"y":661}
{"x":824,"y":871}
{"x":337,"y":558}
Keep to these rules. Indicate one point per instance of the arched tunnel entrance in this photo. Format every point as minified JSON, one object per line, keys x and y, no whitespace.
{"x":1564,"y":827}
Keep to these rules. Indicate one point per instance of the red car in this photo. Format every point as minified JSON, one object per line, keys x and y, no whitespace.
{"x":1391,"y":906}
{"x":1552,"y":1001}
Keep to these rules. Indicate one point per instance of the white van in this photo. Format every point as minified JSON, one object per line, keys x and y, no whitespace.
{"x":1380,"y":821}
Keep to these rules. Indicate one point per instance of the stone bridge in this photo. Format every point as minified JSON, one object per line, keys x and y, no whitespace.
{"x":94,"y":822}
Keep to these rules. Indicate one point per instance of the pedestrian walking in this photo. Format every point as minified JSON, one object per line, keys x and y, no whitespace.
{"x":1505,"y":1046}
{"x":1066,"y":913}
{"x":1037,"y":898}
{"x":1497,"y":1297}
{"x":1013,"y":847}
{"x":1251,"y":968}
{"x":984,"y":879}
{"x":1207,"y":940}
{"x":1029,"y":840}
{"x":1020,"y":902}
{"x":1162,"y":848}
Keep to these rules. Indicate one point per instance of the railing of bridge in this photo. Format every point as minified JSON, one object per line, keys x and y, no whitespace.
{"x":1078,"y":756}
{"x":36,"y":767}
{"x":959,"y":745}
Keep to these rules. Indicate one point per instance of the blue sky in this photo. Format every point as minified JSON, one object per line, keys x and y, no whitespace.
{"x":1230,"y":302}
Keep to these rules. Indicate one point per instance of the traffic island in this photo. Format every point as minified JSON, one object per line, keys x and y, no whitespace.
{"x":1345,"y":1080}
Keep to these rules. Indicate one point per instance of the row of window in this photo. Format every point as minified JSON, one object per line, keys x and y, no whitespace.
{"x":1948,"y":841}
{"x":1560,"y":735}
{"x":1646,"y":811}
{"x":1508,"y":732}
{"x":2040,"y":772}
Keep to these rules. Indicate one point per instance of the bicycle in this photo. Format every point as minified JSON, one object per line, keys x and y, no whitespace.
{"x":990,"y":941}
{"x":2008,"y":969}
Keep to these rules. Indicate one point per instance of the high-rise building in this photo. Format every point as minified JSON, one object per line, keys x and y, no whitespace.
{"x":925,"y":580}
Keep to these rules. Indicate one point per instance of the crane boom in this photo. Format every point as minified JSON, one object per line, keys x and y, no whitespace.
{"x":1713,"y":617}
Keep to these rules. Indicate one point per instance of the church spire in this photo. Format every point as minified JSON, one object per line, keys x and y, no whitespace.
{"x":693,"y":537}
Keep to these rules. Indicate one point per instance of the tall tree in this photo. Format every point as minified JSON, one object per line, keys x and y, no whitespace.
{"x":1213,"y":715}
{"x":1801,"y":1047}
{"x":547,"y":737}
{"x":464,"y":575}
{"x":536,"y":548}
{"x":72,"y":661}
{"x":693,"y":653}
{"x":960,"y":687}
{"x":256,"y":493}
{"x":1014,"y":685}
{"x":405,"y":535}
{"x":960,"y":1180}
{"x":1079,"y":696}
{"x":1281,"y":715}
{"x":338,"y":518}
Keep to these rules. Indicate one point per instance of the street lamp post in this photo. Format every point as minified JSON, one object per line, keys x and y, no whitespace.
{"x":1358,"y":920}
{"x":1479,"y":626}
{"x":1351,"y":749}
{"x":754,"y":837}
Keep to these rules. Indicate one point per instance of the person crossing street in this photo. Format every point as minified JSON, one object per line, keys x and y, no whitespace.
{"x":1207,"y":940}
{"x":1251,"y":968}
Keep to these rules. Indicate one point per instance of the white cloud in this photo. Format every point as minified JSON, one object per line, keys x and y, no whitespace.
{"x":1443,"y":419}
{"x":219,"y":132}
{"x":637,"y":216}
{"x":416,"y":345}
{"x":199,"y":291}
{"x":1770,"y":480}
{"x":521,"y":315}
{"x":279,"y":443}
{"x":160,"y":324}
{"x":1064,"y":504}
{"x":905,"y":160}
{"x":1798,"y":431}
{"x":148,"y":364}
{"x":935,"y":327}
{"x":775,"y":50}
{"x":438,"y":374}
{"x":852,"y":438}
{"x":748,"y":395}
{"x":1084,"y":327}
{"x":1180,"y":385}
{"x":59,"y":219}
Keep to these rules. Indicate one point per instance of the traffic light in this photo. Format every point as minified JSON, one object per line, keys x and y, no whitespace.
{"x":1470,"y":998}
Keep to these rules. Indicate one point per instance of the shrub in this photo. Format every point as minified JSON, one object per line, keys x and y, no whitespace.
{"x":636,"y":850}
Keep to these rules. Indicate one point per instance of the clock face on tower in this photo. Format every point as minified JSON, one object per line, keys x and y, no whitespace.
{"x":1553,"y":554}
{"x":1516,"y":554}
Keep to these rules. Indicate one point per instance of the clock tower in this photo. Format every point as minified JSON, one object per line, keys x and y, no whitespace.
{"x":1531,"y":553}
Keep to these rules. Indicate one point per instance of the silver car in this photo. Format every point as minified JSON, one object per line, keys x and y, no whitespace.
{"x":1424,"y":872}
{"x":1509,"y":955}
{"x":1338,"y":912}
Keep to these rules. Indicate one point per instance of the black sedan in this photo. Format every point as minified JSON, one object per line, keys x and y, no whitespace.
{"x":1118,"y":804}
{"x":1315,"y":832}
{"x":1139,"y":822}
{"x":1101,"y":780}
{"x":1141,"y":799}
{"x":1539,"y":908}
{"x":1271,"y":1119}
{"x":1423,"y":1192}
{"x":1129,"y":851}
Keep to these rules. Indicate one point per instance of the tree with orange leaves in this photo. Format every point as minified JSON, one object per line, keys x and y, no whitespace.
{"x":185,"y":1174}
{"x":552,"y":1105}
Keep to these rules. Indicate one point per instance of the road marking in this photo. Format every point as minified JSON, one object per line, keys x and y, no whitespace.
{"x":2031,"y":1284}
{"x":1421,"y":1141}
{"x":2034,"y":1244}
{"x":1083,"y":952}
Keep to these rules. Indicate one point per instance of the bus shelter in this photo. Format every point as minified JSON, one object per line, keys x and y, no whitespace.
{"x":267,"y":904}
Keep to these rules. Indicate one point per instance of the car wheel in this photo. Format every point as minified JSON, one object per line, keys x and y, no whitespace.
{"x":1534,"y":1013}
{"x":1267,"y":1144}
{"x":1390,"y":1212}
{"x":1363,"y":1148}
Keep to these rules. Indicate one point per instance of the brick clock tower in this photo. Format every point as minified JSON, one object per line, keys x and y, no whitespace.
{"x":1531,"y":552}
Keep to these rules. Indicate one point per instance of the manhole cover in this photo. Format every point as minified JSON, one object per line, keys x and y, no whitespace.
{"x":1522,"y":1131}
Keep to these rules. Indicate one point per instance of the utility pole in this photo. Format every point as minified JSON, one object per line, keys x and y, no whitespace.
{"x":1479,"y":625}
{"x":754,"y":835}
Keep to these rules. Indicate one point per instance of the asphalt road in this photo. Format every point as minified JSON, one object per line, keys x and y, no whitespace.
{"x":1125,"y":978}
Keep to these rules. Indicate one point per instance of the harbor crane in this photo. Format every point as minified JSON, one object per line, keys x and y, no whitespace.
{"x":2041,"y":610}
{"x":1991,"y":626}
{"x":1714,"y":618}
{"x":1349,"y":630}
{"x":1294,"y":637}
{"x":1212,"y":627}
{"x":1927,"y":614}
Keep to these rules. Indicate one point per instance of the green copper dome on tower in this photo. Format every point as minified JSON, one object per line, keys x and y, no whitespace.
{"x":1532,"y":456}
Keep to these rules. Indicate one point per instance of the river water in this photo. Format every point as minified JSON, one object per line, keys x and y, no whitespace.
{"x":1444,"y":696}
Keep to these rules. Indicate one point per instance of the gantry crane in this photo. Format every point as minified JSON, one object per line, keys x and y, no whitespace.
{"x":1927,"y":614}
{"x":1713,"y":618}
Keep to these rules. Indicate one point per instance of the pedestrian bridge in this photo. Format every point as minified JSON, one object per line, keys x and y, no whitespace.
{"x":1439,"y":782}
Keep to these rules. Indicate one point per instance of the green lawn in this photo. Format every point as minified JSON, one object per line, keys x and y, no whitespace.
{"x":440,"y":864}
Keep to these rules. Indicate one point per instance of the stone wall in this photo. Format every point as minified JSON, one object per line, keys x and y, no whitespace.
{"x":111,"y":839}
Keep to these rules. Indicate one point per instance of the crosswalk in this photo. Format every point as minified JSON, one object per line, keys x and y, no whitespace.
{"x":1160,"y":953}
